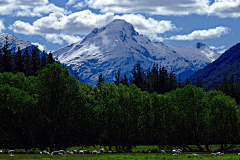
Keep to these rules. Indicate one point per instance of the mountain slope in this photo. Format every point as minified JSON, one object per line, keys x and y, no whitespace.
{"x":13,"y":41}
{"x":226,"y":65}
{"x":118,"y":46}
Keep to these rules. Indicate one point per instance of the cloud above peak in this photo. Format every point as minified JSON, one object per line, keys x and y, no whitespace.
{"x":83,"y":22}
{"x":202,"y":34}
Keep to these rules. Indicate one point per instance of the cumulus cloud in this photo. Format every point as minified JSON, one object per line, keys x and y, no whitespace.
{"x":7,"y":7}
{"x":83,"y":22}
{"x":58,"y":38}
{"x":202,"y":34}
{"x":221,"y":8}
{"x":156,"y":7}
{"x":39,"y":11}
{"x":2,"y":26}
{"x":148,"y":27}
{"x":225,"y":8}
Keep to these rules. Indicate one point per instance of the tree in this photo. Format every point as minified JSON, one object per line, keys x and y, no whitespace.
{"x":138,"y":76}
{"x":58,"y":107}
{"x":17,"y":128}
{"x":50,"y":58}
{"x":117,"y":80}
{"x":43,"y":60}
{"x":35,"y":61}
{"x":7,"y":58}
{"x":27,"y":58}
{"x":18,"y":60}
{"x":100,"y":79}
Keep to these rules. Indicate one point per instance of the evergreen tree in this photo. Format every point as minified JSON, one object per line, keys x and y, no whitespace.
{"x":199,"y":83}
{"x":50,"y":58}
{"x":7,"y":58}
{"x":43,"y":60}
{"x":223,"y":86}
{"x":100,"y":79}
{"x":117,"y":80}
{"x":231,"y":88}
{"x":138,"y":76}
{"x":27,"y":63}
{"x":1,"y":61}
{"x":18,"y":59}
{"x":124,"y":81}
{"x":35,"y":60}
{"x":172,"y":81}
{"x":163,"y":78}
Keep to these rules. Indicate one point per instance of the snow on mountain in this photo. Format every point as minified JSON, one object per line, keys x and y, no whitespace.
{"x":13,"y":41}
{"x":118,"y":46}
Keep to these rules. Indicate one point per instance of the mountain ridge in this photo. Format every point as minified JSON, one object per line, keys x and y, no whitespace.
{"x":226,"y":65}
{"x":118,"y":46}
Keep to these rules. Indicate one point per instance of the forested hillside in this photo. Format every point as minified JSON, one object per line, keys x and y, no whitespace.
{"x":53,"y":109}
{"x":226,"y":65}
{"x":43,"y":106}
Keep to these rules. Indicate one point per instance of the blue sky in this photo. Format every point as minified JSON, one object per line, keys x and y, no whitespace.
{"x":53,"y":24}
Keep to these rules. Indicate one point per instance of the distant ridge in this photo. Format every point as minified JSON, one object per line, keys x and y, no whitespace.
{"x":226,"y":65}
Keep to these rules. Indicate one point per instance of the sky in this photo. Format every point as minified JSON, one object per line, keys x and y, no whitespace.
{"x":53,"y":24}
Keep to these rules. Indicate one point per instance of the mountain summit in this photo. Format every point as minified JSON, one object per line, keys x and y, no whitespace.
{"x":117,"y":46}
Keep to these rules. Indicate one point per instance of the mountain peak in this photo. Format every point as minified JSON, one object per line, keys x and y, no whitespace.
{"x":119,"y":25}
{"x":199,"y":45}
{"x":13,"y":41}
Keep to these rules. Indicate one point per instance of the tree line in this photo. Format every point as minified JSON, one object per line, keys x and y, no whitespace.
{"x":54,"y":110}
{"x":29,"y":62}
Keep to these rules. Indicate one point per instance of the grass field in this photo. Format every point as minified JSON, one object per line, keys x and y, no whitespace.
{"x":131,"y":156}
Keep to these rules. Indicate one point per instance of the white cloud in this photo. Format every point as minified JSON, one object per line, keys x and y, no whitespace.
{"x":148,"y":27}
{"x":39,"y":11}
{"x":7,"y":7}
{"x":225,"y":8}
{"x":156,"y":7}
{"x":58,"y":38}
{"x":54,"y":38}
{"x":216,"y":48}
{"x":40,"y":47}
{"x":2,"y":26}
{"x":202,"y":34}
{"x":221,"y":8}
{"x":220,"y":49}
{"x":83,"y":22}
{"x":70,"y":2}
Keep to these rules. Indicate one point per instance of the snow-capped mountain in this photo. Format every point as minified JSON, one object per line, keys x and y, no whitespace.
{"x":118,"y":46}
{"x":13,"y":41}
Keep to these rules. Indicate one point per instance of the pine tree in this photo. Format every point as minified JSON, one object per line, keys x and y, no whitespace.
{"x":43,"y":60}
{"x":27,"y":66}
{"x":18,"y":59}
{"x":138,"y":76}
{"x":35,"y":61}
{"x":50,"y":58}
{"x":1,"y":61}
{"x":124,"y":81}
{"x":100,"y":79}
{"x":117,"y":78}
{"x":231,"y":88}
{"x":7,"y":58}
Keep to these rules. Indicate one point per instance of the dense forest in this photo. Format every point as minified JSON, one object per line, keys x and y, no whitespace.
{"x":49,"y":108}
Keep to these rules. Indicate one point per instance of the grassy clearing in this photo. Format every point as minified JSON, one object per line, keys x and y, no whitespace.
{"x":133,"y":156}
